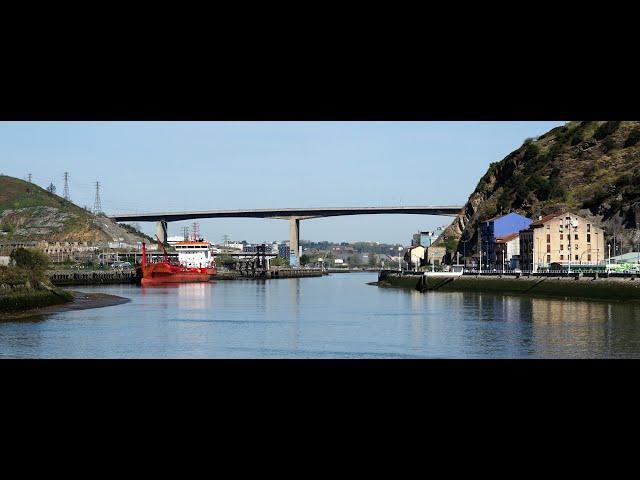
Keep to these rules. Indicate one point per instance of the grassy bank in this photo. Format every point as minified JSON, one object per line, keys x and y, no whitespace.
{"x":17,"y":301}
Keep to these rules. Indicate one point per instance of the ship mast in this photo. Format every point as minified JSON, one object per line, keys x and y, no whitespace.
{"x":143,"y":261}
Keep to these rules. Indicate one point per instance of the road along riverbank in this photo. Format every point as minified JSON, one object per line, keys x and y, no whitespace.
{"x":590,"y":287}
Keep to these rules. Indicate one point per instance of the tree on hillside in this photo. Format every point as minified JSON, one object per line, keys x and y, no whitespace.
{"x":304,"y":259}
{"x":30,"y":259}
{"x":51,"y":188}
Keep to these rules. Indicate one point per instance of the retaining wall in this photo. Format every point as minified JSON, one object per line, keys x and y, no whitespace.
{"x":578,"y":286}
{"x":94,"y":277}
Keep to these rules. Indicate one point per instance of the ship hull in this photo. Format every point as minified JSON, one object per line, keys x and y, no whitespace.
{"x":186,"y":277}
{"x":161,"y":273}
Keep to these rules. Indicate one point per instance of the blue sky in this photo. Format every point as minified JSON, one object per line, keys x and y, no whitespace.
{"x":177,"y":166}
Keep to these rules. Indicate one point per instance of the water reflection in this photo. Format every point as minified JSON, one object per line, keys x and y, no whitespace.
{"x":337,"y":316}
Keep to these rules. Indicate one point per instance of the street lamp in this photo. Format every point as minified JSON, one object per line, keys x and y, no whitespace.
{"x":400,"y":259}
{"x":464,"y":252}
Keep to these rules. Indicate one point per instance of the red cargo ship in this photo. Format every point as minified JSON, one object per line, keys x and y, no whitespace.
{"x":164,"y":272}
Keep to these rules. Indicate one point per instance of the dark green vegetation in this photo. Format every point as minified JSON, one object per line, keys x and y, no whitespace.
{"x":590,"y":168}
{"x":23,"y":285}
{"x":31,"y":260}
{"x":279,"y":262}
{"x":35,"y":299}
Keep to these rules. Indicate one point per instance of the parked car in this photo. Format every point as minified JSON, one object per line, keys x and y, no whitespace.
{"x":631,"y":270}
{"x":120,"y":265}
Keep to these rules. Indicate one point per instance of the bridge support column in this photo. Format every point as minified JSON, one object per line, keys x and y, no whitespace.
{"x":294,"y":239}
{"x":161,"y":231}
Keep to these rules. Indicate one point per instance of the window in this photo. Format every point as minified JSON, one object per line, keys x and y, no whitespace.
{"x":561,"y":257}
{"x":588,"y":237}
{"x":548,"y":258}
{"x":575,"y":247}
{"x":561,"y":236}
{"x":548,"y":238}
{"x":548,"y":248}
{"x":575,"y":236}
{"x":576,"y":257}
{"x":588,"y":227}
{"x":588,"y":257}
{"x":562,"y":246}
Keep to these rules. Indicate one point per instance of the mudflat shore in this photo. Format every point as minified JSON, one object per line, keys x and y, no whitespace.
{"x":80,"y":301}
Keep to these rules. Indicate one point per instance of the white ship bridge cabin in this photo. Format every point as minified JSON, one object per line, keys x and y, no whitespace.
{"x":195,"y":254}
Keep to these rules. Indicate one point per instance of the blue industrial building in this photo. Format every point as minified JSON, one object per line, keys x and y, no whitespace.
{"x":283,"y":250}
{"x":498,"y":227}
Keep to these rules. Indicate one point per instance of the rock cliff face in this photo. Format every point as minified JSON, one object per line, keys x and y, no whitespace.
{"x":30,"y":213}
{"x":590,"y":168}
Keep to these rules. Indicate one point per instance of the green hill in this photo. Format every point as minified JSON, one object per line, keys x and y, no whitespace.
{"x":29,"y":212}
{"x":591,"y":168}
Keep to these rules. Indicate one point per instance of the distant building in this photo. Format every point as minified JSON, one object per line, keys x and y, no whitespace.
{"x":415,"y":256}
{"x":426,"y":238}
{"x":435,"y":255}
{"x":495,"y":227}
{"x":631,"y":257}
{"x":284,"y":251}
{"x":508,"y":251}
{"x":561,"y":238}
{"x":235,"y":245}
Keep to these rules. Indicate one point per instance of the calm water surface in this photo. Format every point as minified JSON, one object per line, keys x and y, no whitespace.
{"x":329,"y":317}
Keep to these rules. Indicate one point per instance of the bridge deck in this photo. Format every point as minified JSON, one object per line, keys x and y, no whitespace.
{"x":302,"y":213}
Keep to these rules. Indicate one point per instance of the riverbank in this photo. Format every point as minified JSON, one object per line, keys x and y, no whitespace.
{"x":76,"y":301}
{"x":574,"y":287}
{"x":25,"y":300}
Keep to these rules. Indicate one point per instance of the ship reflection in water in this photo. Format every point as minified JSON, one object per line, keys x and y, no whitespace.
{"x":326,"y":317}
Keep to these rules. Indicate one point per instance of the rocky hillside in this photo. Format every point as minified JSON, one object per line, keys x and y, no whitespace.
{"x":591,"y":168}
{"x":29,"y":212}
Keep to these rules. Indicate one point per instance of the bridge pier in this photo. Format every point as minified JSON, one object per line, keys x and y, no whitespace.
{"x":161,"y":231}
{"x":294,"y":239}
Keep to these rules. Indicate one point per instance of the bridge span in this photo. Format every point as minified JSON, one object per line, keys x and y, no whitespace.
{"x":294,"y":215}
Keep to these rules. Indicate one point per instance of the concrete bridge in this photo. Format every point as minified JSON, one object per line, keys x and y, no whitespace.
{"x":294,"y":215}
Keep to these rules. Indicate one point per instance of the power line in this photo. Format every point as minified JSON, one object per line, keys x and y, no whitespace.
{"x":29,"y":177}
{"x":97,"y":204}
{"x":66,"y":187}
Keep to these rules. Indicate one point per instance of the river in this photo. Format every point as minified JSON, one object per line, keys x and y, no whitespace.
{"x":338,"y":316}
